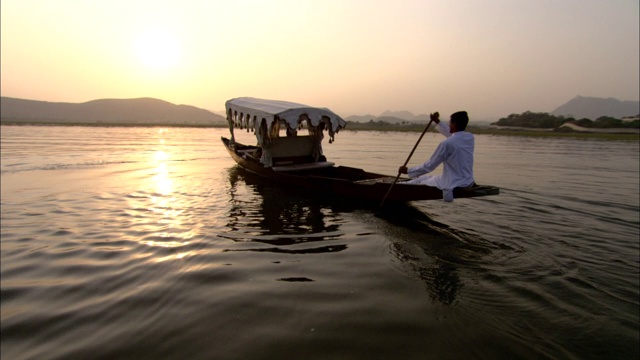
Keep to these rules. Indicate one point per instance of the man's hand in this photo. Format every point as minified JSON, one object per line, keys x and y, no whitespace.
{"x":402,"y":170}
{"x":435,"y":117}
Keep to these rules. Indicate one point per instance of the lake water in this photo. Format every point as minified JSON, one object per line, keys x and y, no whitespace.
{"x":149,"y":243}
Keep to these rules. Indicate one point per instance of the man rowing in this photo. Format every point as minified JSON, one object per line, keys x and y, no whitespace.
{"x":455,"y":153}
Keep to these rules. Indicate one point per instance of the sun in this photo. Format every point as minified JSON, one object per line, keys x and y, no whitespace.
{"x":157,"y":49}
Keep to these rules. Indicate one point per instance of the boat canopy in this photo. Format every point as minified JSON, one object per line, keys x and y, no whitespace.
{"x":252,"y":113}
{"x":265,"y":118}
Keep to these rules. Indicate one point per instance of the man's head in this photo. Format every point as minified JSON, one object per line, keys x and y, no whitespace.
{"x":459,"y":121}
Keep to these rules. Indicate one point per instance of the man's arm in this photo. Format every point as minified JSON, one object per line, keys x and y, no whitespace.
{"x":443,"y":128}
{"x":437,"y":158}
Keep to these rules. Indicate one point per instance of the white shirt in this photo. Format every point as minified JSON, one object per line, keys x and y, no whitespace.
{"x":456,"y":153}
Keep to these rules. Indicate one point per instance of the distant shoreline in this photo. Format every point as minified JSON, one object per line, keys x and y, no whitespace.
{"x":105,"y":124}
{"x":611,"y":134}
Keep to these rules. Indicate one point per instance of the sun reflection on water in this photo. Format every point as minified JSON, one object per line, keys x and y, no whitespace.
{"x":179,"y":256}
{"x":163,"y":224}
{"x":164,"y":184}
{"x":165,"y":244}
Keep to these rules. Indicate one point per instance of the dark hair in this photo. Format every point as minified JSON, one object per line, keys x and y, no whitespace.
{"x":461,"y":119}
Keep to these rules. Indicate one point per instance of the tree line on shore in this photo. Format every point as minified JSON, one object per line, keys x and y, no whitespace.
{"x":547,"y":121}
{"x":528,"y":119}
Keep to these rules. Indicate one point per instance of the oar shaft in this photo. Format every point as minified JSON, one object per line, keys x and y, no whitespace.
{"x":407,"y":161}
{"x":417,"y":142}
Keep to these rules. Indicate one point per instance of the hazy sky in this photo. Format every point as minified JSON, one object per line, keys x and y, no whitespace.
{"x":491,"y":58}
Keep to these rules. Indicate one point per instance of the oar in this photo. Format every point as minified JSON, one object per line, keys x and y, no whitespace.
{"x":407,"y":161}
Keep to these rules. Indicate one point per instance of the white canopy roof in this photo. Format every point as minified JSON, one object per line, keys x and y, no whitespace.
{"x":285,"y":110}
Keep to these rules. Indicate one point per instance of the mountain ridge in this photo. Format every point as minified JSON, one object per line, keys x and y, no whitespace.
{"x":579,"y":107}
{"x":592,"y":108}
{"x":113,"y":111}
{"x":146,"y":110}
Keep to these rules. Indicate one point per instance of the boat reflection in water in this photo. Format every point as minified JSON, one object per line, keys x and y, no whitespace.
{"x":297,"y":223}
{"x":265,"y":213}
{"x":435,"y":252}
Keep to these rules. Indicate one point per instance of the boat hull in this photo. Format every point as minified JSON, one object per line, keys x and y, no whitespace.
{"x":347,"y":182}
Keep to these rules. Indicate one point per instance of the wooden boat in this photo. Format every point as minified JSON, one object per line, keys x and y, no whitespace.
{"x":297,"y":160}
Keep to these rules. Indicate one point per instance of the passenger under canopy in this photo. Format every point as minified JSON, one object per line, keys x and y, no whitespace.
{"x":265,"y":118}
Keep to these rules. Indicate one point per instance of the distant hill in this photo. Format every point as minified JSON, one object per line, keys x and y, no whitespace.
{"x":368,"y":118}
{"x":405,"y":115}
{"x":592,"y":108}
{"x":108,"y":111}
{"x":360,"y":118}
{"x":392,"y":117}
